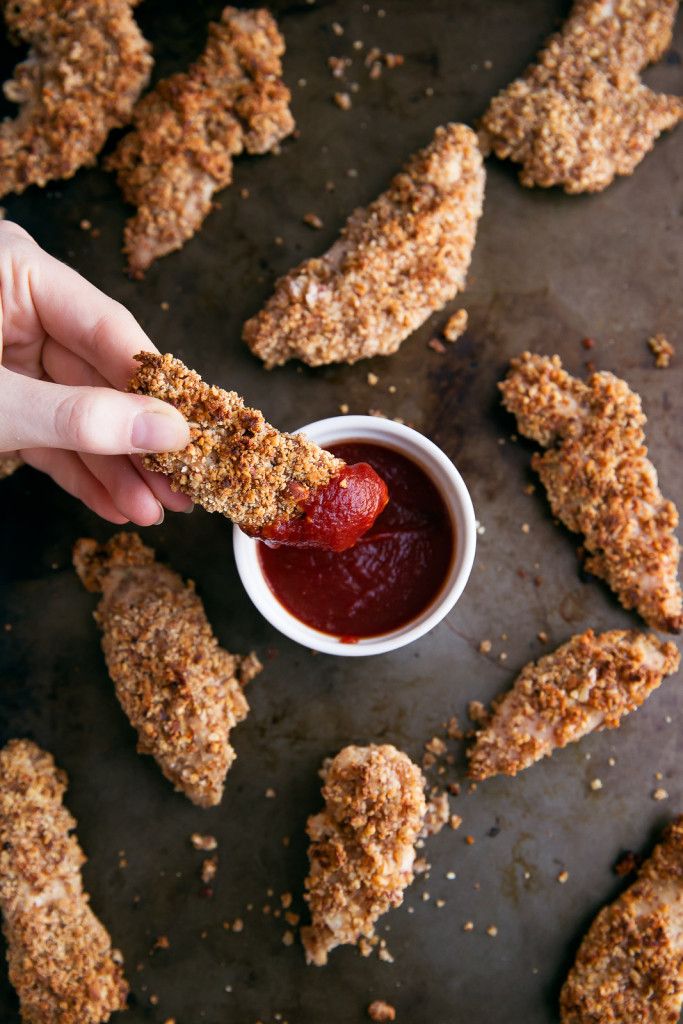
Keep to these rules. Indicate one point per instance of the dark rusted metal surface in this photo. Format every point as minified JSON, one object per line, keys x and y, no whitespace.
{"x":548,"y":270}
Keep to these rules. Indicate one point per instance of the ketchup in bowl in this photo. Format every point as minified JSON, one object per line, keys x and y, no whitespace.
{"x":390,"y":576}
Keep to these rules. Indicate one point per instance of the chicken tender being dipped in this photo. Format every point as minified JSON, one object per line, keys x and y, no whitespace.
{"x":189,"y":128}
{"x":581,"y":115}
{"x":61,"y":961}
{"x":279,"y":487}
{"x":181,"y":691}
{"x":600,"y":482}
{"x":87,"y":64}
{"x":629,"y":967}
{"x":586,"y":685}
{"x":397,"y":262}
{"x":362,"y":845}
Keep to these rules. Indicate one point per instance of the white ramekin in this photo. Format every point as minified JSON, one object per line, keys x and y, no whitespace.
{"x":445,"y":476}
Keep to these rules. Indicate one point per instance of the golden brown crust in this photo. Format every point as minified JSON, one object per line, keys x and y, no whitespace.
{"x":236,"y":463}
{"x":188,"y":129}
{"x":580,"y":114}
{"x":61,"y":962}
{"x":87,"y":65}
{"x":600,"y":482}
{"x":629,"y":967}
{"x":180,"y":690}
{"x":362,"y":845}
{"x":396,"y":262}
{"x":586,"y":685}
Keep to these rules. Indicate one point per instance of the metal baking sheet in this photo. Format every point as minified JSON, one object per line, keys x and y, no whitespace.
{"x":548,"y":271}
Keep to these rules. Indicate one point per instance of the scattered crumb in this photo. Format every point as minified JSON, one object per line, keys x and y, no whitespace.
{"x":436,"y":345}
{"x":588,"y":343}
{"x":238,"y":924}
{"x":455,"y":821}
{"x":662,"y":350}
{"x":384,"y":954}
{"x":484,"y":648}
{"x":343,"y":408}
{"x":596,"y":784}
{"x":343,"y":100}
{"x":288,"y":938}
{"x":373,"y":379}
{"x":525,"y":527}
{"x":205,"y":843}
{"x":477,"y":712}
{"x":563,"y":877}
{"x":468,"y":926}
{"x":660,"y":794}
{"x":456,"y":325}
{"x":437,"y":814}
{"x":209,"y":869}
{"x":436,"y":746}
{"x":492,"y":931}
{"x":469,"y":840}
{"x":85,"y":225}
{"x":337,"y":28}
{"x":440,"y":904}
{"x":313,"y":221}
{"x":381,"y":1011}
{"x":543,"y":637}
{"x":627,"y":863}
{"x":162,"y":942}
{"x":529,"y":489}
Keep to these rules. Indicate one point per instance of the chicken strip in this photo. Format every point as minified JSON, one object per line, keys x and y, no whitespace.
{"x":273,"y":485}
{"x":87,"y":64}
{"x":61,"y":962}
{"x":581,"y":115}
{"x":629,"y":967}
{"x":180,"y":690}
{"x":188,"y":129}
{"x":397,"y":262}
{"x":600,"y":482}
{"x":586,"y":685}
{"x":362,"y":845}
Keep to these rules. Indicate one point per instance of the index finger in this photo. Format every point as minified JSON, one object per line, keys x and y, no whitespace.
{"x":39,"y":295}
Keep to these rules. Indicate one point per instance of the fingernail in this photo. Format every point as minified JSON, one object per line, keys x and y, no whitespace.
{"x":188,"y":510}
{"x":161,"y":514}
{"x":156,"y":432}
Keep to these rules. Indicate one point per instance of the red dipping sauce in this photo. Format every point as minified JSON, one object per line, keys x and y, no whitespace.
{"x":391,"y":575}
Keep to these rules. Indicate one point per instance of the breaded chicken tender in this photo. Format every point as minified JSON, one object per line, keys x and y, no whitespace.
{"x":61,"y":961}
{"x":629,"y":967}
{"x":280,"y":487}
{"x":87,"y":64}
{"x":600,"y":482}
{"x":181,"y":691}
{"x":188,"y":129}
{"x":580,"y":115}
{"x":397,"y":262}
{"x":586,"y":685}
{"x":362,"y":845}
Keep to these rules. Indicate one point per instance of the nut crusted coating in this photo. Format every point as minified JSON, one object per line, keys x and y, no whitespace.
{"x":397,"y":261}
{"x":87,"y":64}
{"x":587,"y":684}
{"x":236,"y":463}
{"x":188,"y":129}
{"x":629,"y":967}
{"x":580,"y":115}
{"x":61,"y":962}
{"x":362,"y":845}
{"x":600,"y":482}
{"x":180,"y":690}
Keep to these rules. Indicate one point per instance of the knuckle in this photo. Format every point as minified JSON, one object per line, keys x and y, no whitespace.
{"x":77,"y":422}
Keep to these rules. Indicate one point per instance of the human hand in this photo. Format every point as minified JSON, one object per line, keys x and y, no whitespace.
{"x":65,"y":347}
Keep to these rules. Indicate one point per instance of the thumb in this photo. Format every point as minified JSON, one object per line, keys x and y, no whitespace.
{"x":39,"y":414}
